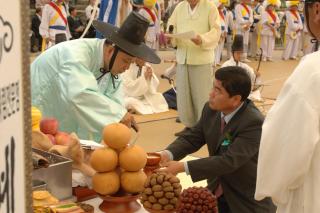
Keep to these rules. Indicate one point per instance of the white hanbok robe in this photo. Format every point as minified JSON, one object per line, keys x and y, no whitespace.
{"x":140,"y":94}
{"x":289,"y":156}
{"x":254,"y":95}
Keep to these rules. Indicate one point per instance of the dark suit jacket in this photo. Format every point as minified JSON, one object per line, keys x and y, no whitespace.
{"x":235,"y":164}
{"x":74,"y":23}
{"x":35,"y":24}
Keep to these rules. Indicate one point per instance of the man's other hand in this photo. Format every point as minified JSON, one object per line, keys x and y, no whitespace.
{"x":127,"y":119}
{"x":173,"y":167}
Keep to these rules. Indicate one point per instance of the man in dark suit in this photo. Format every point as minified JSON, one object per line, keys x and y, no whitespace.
{"x":75,"y":25}
{"x":230,"y":126}
{"x":36,"y":38}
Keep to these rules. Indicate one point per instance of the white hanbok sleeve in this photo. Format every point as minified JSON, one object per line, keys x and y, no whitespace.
{"x":289,"y":136}
{"x":133,"y":86}
{"x":250,"y":72}
{"x":290,"y":21}
{"x":69,"y":36}
{"x":251,"y":16}
{"x":264,"y":18}
{"x":211,"y":38}
{"x":239,"y":18}
{"x":230,"y":23}
{"x":154,"y":82}
{"x":45,"y":18}
{"x":229,"y":63}
{"x":88,"y":11}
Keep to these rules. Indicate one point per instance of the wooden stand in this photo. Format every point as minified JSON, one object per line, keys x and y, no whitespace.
{"x":120,"y":204}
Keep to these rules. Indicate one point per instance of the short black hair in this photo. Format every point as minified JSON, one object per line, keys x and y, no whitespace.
{"x":71,"y":8}
{"x":38,"y":9}
{"x":235,"y":80}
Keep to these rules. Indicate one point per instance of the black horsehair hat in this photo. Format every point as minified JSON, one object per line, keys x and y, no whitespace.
{"x":237,"y":44}
{"x":129,"y":37}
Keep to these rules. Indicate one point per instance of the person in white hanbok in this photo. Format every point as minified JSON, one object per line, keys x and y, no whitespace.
{"x":224,"y":30}
{"x":89,"y":10}
{"x":54,"y":25}
{"x":151,"y":14}
{"x":270,"y":23}
{"x":140,"y":89}
{"x":289,"y":155}
{"x":237,"y":51}
{"x":294,"y":28}
{"x":230,"y":25}
{"x":256,"y":28}
{"x":244,"y":19}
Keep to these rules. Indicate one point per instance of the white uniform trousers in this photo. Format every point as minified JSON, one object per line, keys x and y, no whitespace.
{"x":218,"y":51}
{"x":194,"y":83}
{"x":229,"y":45}
{"x":292,"y":48}
{"x":267,"y":45}
{"x":253,"y":43}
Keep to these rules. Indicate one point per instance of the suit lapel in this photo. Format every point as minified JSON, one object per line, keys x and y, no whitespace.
{"x":231,"y":126}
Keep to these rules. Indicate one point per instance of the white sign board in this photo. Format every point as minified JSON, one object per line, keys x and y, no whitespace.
{"x":12,"y":165}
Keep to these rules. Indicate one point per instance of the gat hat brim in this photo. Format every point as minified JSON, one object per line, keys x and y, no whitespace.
{"x":142,"y":51}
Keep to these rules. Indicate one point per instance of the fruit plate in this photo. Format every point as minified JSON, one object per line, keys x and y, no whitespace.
{"x":120,"y":203}
{"x":159,"y":211}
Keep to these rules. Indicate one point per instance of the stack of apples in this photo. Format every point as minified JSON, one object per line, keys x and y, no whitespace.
{"x":119,"y":165}
{"x":50,"y":127}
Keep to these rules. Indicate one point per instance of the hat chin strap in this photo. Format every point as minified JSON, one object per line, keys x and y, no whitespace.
{"x":111,"y":63}
{"x":237,"y":62}
{"x":316,"y":42}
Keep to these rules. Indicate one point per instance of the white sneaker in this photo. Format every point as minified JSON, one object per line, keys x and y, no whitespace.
{"x":270,"y":59}
{"x":246,"y":60}
{"x":264,"y":59}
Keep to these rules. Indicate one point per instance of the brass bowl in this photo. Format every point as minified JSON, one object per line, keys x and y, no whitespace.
{"x":153,"y":159}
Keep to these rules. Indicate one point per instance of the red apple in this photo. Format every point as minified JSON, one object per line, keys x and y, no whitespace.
{"x":62,"y":138}
{"x":49,"y":126}
{"x":52,"y":139}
